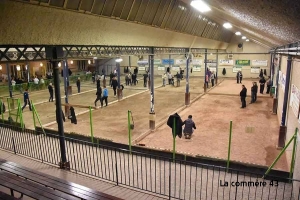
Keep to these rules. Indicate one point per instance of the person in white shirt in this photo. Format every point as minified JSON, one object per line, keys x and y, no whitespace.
{"x":36,"y":80}
{"x":164,"y":77}
{"x":42,"y":81}
{"x":13,"y":82}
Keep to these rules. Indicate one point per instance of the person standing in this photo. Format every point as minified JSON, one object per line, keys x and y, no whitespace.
{"x":212,"y":78}
{"x":98,"y":93}
{"x":133,"y":76}
{"x":114,"y":85}
{"x":243,"y":95}
{"x":135,"y":71}
{"x":50,"y":88}
{"x":169,"y":78}
{"x":262,"y":83}
{"x":253,"y":92}
{"x":78,"y":84}
{"x":145,"y":79}
{"x":164,"y":77}
{"x":178,"y":78}
{"x":189,"y":126}
{"x":26,"y":100}
{"x":239,"y":77}
{"x":105,"y":96}
{"x":269,"y":85}
{"x":98,"y":82}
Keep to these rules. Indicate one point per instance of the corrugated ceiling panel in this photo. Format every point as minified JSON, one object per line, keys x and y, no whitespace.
{"x":150,"y":12}
{"x":172,"y":18}
{"x":167,"y":15}
{"x":161,"y":12}
{"x":58,"y":3}
{"x":186,"y":20}
{"x":154,"y":11}
{"x":141,"y":10}
{"x":118,"y":8}
{"x":108,"y":7}
{"x":181,"y":19}
{"x":190,"y":24}
{"x":134,"y":10}
{"x":98,"y":6}
{"x":147,"y":11}
{"x":86,"y":5}
{"x":73,"y":4}
{"x":126,"y":9}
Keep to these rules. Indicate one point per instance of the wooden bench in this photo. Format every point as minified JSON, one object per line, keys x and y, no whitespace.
{"x":43,"y":184}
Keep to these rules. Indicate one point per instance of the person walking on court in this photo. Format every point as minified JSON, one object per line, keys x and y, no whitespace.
{"x":262,"y":82}
{"x":212,"y":78}
{"x":239,"y":77}
{"x":78,"y":84}
{"x":114,"y":85}
{"x":243,"y":95}
{"x":145,"y":79}
{"x":50,"y":88}
{"x":98,"y":82}
{"x":98,"y":93}
{"x":253,"y":92}
{"x":269,"y":85}
{"x":189,"y":126}
{"x":164,"y":77}
{"x":26,"y":100}
{"x":105,"y":96}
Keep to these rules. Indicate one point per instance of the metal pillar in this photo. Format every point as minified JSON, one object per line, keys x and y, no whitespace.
{"x":283,"y":128}
{"x":187,"y":85}
{"x":217,"y":66}
{"x":64,"y":164}
{"x":170,"y":62}
{"x":65,"y":80}
{"x":119,"y":90}
{"x":28,"y":72}
{"x":205,"y":69}
{"x":152,"y":112}
{"x":129,"y":60}
{"x":67,"y":73}
{"x":9,"y":80}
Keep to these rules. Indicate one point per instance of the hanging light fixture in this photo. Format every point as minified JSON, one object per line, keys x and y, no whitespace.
{"x":0,"y":67}
{"x":26,"y":67}
{"x":41,"y":64}
{"x":89,"y":61}
{"x":18,"y":67}
{"x":200,"y":5}
{"x":238,"y":33}
{"x":119,"y":59}
{"x":59,"y":64}
{"x":227,"y":25}
{"x":244,"y":37}
{"x":71,"y":62}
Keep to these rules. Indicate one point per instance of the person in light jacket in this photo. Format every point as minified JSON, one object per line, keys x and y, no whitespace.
{"x":212,"y":78}
{"x":164,"y":77}
{"x":189,"y":126}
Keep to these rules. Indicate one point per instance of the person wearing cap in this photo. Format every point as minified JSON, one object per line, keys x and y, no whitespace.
{"x":189,"y":126}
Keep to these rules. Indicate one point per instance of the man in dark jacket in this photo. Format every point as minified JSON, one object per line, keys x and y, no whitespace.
{"x":189,"y":127}
{"x":114,"y":85}
{"x":262,"y":83}
{"x":145,"y":79}
{"x":178,"y":124}
{"x":73,"y":116}
{"x":98,"y":93}
{"x":78,"y":84}
{"x":243,"y":95}
{"x":239,"y":77}
{"x":98,"y":83}
{"x":253,"y":92}
{"x":50,"y":88}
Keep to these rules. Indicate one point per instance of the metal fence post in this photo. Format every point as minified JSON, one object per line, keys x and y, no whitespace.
{"x":14,"y":146}
{"x":229,"y":146}
{"x":116,"y":166}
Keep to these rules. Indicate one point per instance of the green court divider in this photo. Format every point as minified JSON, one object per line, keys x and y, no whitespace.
{"x":2,"y":113}
{"x":229,"y":146}
{"x":174,"y":139}
{"x":91,"y":124}
{"x":16,"y":112}
{"x":35,"y":114}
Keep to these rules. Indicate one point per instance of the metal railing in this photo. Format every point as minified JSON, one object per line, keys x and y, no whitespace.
{"x":160,"y":175}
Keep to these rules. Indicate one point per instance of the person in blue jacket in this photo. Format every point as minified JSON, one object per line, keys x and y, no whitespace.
{"x":26,"y":100}
{"x":104,"y":96}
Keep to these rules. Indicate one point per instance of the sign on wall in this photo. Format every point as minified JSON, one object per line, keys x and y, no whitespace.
{"x":157,"y":61}
{"x":295,"y":99}
{"x":142,"y":68}
{"x":196,"y":68}
{"x":262,"y":63}
{"x":213,"y":69}
{"x":180,"y":61}
{"x":255,"y":70}
{"x":197,"y":62}
{"x":167,"y":61}
{"x":142,"y":62}
{"x":235,"y":69}
{"x":226,"y":62}
{"x":242,"y":62}
{"x":175,"y":68}
{"x":161,"y":68}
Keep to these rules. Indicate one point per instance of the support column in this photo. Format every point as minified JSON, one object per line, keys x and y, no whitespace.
{"x":119,"y":90}
{"x":283,"y":128}
{"x":152,"y":112}
{"x":9,"y":80}
{"x":170,"y":62}
{"x":205,"y":70}
{"x":65,"y":81}
{"x":28,"y":72}
{"x":149,"y":73}
{"x":64,"y":164}
{"x":217,"y":67}
{"x":129,"y":60}
{"x":187,"y":85}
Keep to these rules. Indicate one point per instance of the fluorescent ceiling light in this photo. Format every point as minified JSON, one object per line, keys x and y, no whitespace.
{"x":244,"y":37}
{"x":238,"y":33}
{"x":89,"y":62}
{"x":59,"y":64}
{"x":119,"y":60}
{"x":0,"y":67}
{"x":247,"y":40}
{"x":200,"y":5}
{"x":227,"y":25}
